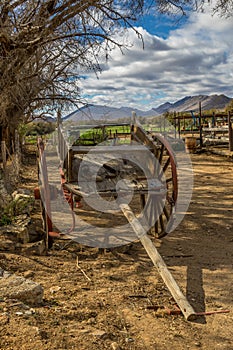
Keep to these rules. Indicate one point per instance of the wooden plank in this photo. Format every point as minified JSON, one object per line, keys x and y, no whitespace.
{"x":216,"y":129}
{"x":144,"y":138}
{"x":147,"y":140}
{"x":107,"y":149}
{"x":109,"y":190}
{"x":157,"y":260}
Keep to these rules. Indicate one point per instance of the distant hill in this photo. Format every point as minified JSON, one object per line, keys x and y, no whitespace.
{"x":45,"y":119}
{"x":99,"y":112}
{"x":163,"y":108}
{"x":191,"y":103}
{"x":108,"y":113}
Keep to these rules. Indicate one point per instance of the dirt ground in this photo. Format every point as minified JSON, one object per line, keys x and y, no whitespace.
{"x":117,"y":300}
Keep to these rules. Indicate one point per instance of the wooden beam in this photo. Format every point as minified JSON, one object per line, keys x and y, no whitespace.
{"x":157,"y":260}
{"x":200,"y":125}
{"x":230,"y":132}
{"x":144,"y":138}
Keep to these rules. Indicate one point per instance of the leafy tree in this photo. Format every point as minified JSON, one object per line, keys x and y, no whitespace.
{"x":47,"y":45}
{"x":40,"y":128}
{"x":229,"y":107}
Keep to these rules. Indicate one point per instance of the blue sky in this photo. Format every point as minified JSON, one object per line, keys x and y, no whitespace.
{"x":189,"y":56}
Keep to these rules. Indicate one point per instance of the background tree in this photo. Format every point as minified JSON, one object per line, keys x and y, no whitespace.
{"x":45,"y":43}
{"x":229,"y":107}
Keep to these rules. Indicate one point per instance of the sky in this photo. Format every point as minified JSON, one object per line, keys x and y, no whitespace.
{"x":188,"y":57}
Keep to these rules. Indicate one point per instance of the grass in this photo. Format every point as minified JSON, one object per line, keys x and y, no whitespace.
{"x":97,"y":135}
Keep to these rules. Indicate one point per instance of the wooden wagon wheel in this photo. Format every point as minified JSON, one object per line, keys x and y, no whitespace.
{"x":166,"y":173}
{"x":159,"y":211}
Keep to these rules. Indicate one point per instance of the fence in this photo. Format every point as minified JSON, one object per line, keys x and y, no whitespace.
{"x":204,"y":125}
{"x":10,"y":165}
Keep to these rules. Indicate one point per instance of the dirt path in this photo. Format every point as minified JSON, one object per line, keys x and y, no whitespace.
{"x":104,"y":301}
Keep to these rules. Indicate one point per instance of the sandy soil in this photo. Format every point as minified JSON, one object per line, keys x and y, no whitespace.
{"x":104,"y":301}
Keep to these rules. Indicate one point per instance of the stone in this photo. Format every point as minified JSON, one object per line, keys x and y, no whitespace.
{"x":99,"y":333}
{"x":115,"y":346}
{"x":23,"y":235}
{"x":4,"y":273}
{"x":23,"y":191}
{"x":15,"y":233}
{"x":35,"y":248}
{"x":6,"y":244}
{"x":4,"y":318}
{"x":20,"y":288}
{"x":20,"y":232}
{"x":28,"y":274}
{"x":129,"y":340}
{"x":54,"y":289}
{"x":22,"y":203}
{"x":5,"y":198}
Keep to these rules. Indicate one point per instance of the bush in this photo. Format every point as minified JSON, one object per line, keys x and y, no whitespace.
{"x":5,"y":220}
{"x":40,"y":128}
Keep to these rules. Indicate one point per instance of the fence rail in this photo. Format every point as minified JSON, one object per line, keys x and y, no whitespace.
{"x":10,"y":165}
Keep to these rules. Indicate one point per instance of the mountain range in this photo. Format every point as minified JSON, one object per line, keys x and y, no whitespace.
{"x":188,"y":103}
{"x":191,"y":103}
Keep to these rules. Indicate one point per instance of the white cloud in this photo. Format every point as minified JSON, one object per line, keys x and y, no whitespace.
{"x":194,"y":59}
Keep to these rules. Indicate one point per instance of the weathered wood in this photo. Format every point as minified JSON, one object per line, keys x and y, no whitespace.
{"x":121,"y":149}
{"x":230,"y":132}
{"x":108,"y":189}
{"x":200,"y":125}
{"x":141,"y":136}
{"x":69,"y":165}
{"x":157,"y":260}
{"x":17,"y":153}
{"x":144,"y":138}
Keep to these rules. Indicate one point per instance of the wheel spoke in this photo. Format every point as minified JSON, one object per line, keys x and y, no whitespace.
{"x":156,"y":225}
{"x":166,"y":213}
{"x":161,"y":223}
{"x":170,"y":179}
{"x":164,"y":168}
{"x":161,"y":153}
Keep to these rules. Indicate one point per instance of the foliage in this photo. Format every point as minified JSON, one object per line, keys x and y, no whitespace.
{"x":98,"y":135}
{"x":47,"y":46}
{"x":229,"y":107}
{"x":40,"y":128}
{"x":5,"y":220}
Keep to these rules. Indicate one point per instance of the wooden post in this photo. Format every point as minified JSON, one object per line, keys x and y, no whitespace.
{"x":183,"y":122}
{"x":17,"y":153}
{"x":178,"y":125}
{"x":230,"y":132}
{"x":200,"y":126}
{"x":69,"y":165}
{"x":157,"y":260}
{"x":175,"y":124}
{"x":214,"y":120}
{"x":59,"y":119}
